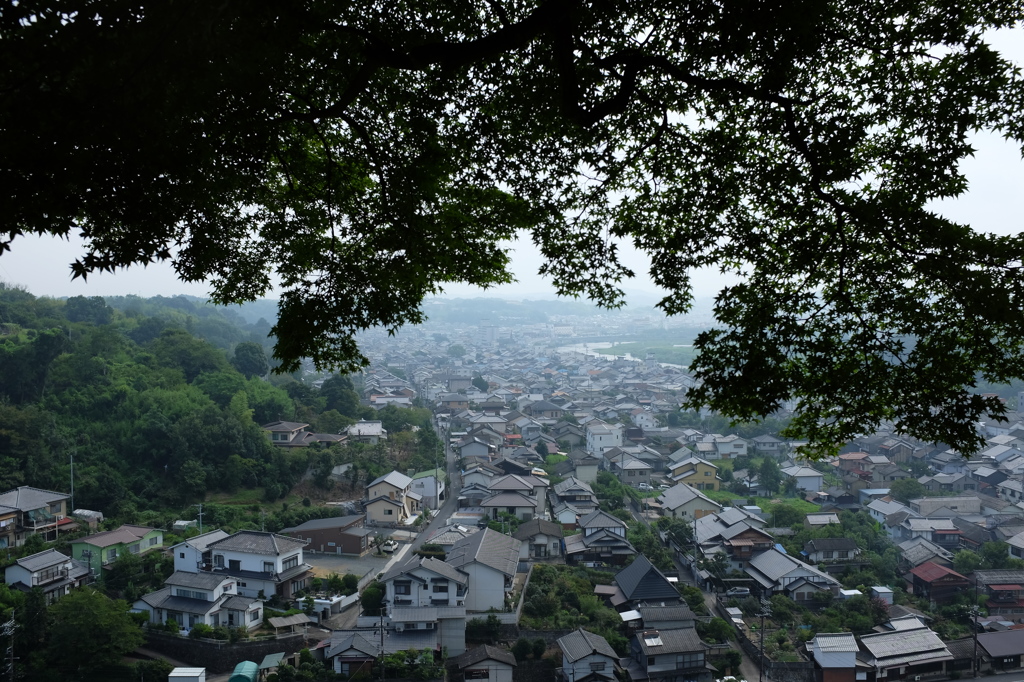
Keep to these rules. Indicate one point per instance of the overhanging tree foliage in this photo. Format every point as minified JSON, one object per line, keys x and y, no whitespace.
{"x":371,"y":152}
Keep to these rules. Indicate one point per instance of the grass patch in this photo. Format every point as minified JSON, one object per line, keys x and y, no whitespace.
{"x":765,"y":503}
{"x":245,"y":497}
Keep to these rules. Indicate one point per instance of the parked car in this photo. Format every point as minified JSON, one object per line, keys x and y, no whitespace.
{"x":664,"y":486}
{"x":737,"y":592}
{"x":644,"y":486}
{"x":389,"y":546}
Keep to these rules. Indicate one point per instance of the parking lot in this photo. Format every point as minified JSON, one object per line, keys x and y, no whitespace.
{"x":326,"y":564}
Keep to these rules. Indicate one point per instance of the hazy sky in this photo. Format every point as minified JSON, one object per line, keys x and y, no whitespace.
{"x":993,"y":204}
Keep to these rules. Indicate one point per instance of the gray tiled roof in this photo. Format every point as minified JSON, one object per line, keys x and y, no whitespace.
{"x":27,"y":498}
{"x":600,"y":519}
{"x":321,"y":524}
{"x":672,"y":642}
{"x":536,"y":527}
{"x":641,"y":580}
{"x":658,"y":614}
{"x":41,"y":560}
{"x":482,"y":653}
{"x":829,"y":545}
{"x":489,"y":548}
{"x":414,"y":561}
{"x":202,"y":580}
{"x":399,"y":480}
{"x":201,"y":542}
{"x":237,"y":603}
{"x":363,"y":642}
{"x":258,"y":542}
{"x":580,"y":643}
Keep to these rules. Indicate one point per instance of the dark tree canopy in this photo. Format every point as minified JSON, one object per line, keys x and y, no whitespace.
{"x":369,"y":153}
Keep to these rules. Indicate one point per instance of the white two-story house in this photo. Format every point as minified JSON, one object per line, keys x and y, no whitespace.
{"x":193,"y":598}
{"x":425,"y":594}
{"x":586,"y":656}
{"x":490,"y":559}
{"x":50,"y":571}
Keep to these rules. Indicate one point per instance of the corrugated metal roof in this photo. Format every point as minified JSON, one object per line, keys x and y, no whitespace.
{"x":836,"y":642}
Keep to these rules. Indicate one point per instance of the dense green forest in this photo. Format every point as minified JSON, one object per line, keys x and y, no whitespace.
{"x":160,"y":401}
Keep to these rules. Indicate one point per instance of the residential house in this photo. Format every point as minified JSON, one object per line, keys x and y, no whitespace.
{"x":259,"y":562}
{"x":821,"y":519}
{"x":369,"y":432}
{"x":668,"y":656}
{"x":540,"y":539}
{"x":919,"y":550}
{"x":602,"y":539}
{"x":490,"y":559}
{"x":1003,"y":590}
{"x":830,"y":550}
{"x":632,"y":471}
{"x":190,"y":599}
{"x":949,"y":506}
{"x":587,"y":657}
{"x":937,"y":583}
{"x":1002,"y":650}
{"x":484,"y":662}
{"x":352,"y":652}
{"x":390,"y":499}
{"x":453,"y":402}
{"x":431,"y":486}
{"x":697,"y":473}
{"x":667,"y":617}
{"x":287,"y":434}
{"x":28,"y":511}
{"x":940,"y":531}
{"x":575,"y":492}
{"x":730,"y":447}
{"x":194,"y":554}
{"x":642,"y":583}
{"x":426,"y":596}
{"x":337,"y":534}
{"x":684,"y":502}
{"x":835,"y":654}
{"x":601,"y":436}
{"x":519,"y":505}
{"x":100,"y":551}
{"x":767,"y":445}
{"x":775,"y":572}
{"x":904,"y":654}
{"x":806,"y":478}
{"x":50,"y":571}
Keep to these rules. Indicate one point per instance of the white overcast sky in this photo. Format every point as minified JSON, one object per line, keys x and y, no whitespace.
{"x":993,"y":204}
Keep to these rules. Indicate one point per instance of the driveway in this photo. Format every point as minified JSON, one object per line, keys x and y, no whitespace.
{"x":326,"y":564}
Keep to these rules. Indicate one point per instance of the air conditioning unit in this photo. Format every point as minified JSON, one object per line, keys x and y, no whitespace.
{"x":917,"y":678}
{"x":399,"y":627}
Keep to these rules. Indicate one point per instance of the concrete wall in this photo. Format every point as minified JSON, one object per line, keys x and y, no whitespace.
{"x":219,"y":657}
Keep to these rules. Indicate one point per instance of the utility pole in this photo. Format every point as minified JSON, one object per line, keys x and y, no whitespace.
{"x":974,"y":628}
{"x":72,"y":510}
{"x":766,"y":610}
{"x":200,"y":515}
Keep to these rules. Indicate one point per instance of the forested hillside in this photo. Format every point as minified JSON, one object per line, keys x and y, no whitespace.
{"x":159,"y":401}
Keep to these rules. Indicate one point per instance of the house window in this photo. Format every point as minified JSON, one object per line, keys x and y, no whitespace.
{"x":111,"y":555}
{"x":291,"y":562}
{"x":630,"y":473}
{"x":844,"y":554}
{"x":403,"y":587}
{"x":389,"y":512}
{"x":554,"y":546}
{"x":55,"y":508}
{"x":597,"y":666}
{"x":254,"y":616}
{"x":650,"y":660}
{"x":687,"y":661}
{"x":218,"y":560}
{"x":482,"y":674}
{"x":241,"y":584}
{"x":181,"y":555}
{"x":152,"y":541}
{"x":134,"y":549}
{"x":441,"y":588}
{"x":707,"y":473}
{"x":268,"y":566}
{"x":828,"y":555}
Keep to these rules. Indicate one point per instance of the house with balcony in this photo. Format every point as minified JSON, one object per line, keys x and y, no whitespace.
{"x":390,"y":499}
{"x":602,"y":539}
{"x":50,"y":571}
{"x":575,"y":492}
{"x":425,"y":602}
{"x":777,"y":573}
{"x":491,"y":560}
{"x":28,"y":511}
{"x":668,"y":656}
{"x":586,"y":656}
{"x":193,"y":598}
{"x":602,"y":436}
{"x":257,"y":561}
{"x":937,"y":583}
{"x":1005,"y":591}
{"x":695,"y":472}
{"x":100,"y":550}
